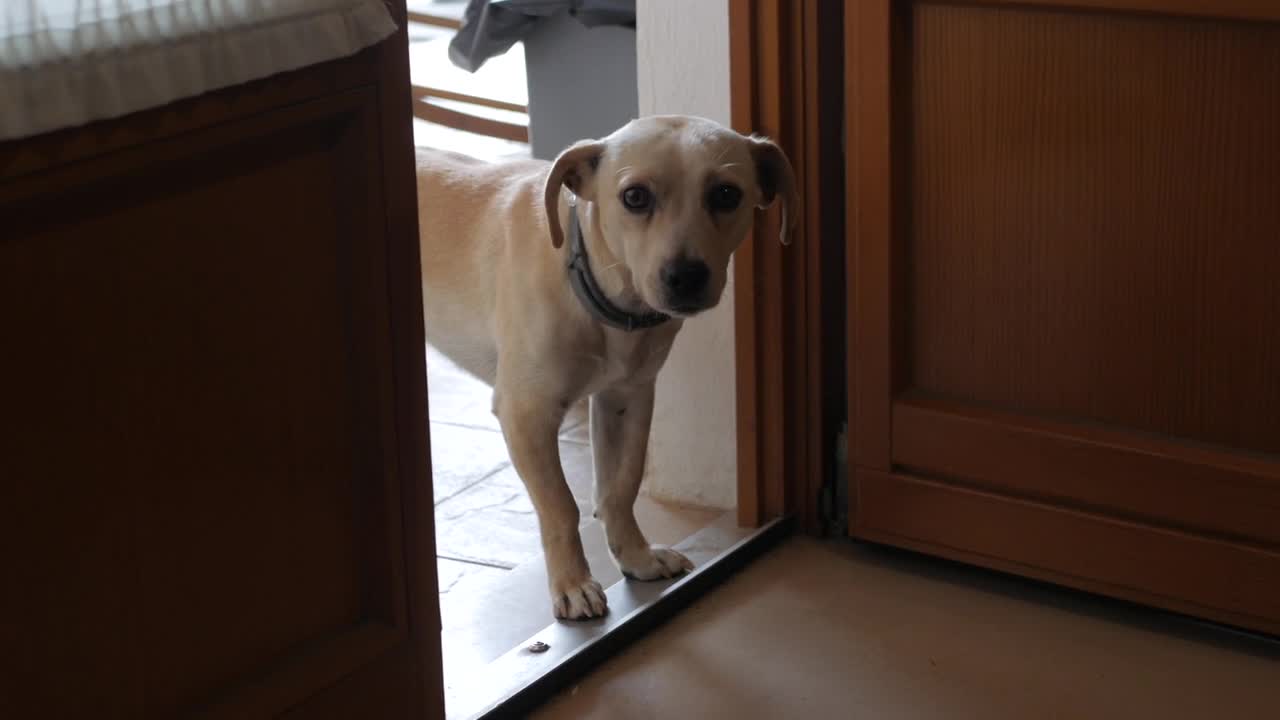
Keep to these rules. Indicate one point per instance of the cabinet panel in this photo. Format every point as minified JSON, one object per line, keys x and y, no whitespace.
{"x":202,"y":495}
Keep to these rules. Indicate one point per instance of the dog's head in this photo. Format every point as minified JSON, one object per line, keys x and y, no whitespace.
{"x":673,"y":198}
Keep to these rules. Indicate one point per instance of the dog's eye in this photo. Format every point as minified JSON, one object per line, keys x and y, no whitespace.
{"x":637,"y":198}
{"x":724,"y":198}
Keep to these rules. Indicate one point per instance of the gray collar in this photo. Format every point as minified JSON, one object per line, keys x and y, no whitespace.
{"x":589,"y":292}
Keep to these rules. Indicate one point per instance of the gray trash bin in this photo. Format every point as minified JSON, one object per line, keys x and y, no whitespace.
{"x":580,"y":59}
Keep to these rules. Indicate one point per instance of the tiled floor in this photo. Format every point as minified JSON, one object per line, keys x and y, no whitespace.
{"x":483,"y":515}
{"x":827,"y":630}
{"x":517,"y":668}
{"x":492,"y":583}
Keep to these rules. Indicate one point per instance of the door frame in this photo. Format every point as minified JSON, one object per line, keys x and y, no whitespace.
{"x":786,"y":76}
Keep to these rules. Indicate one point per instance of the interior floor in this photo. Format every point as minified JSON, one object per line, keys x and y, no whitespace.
{"x":832,"y":629}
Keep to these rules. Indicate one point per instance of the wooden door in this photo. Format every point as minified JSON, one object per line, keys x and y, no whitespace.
{"x":215,"y":494}
{"x":1064,"y":309}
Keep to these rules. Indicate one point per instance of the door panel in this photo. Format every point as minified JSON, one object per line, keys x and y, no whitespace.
{"x":1093,"y":200}
{"x":1097,"y":552}
{"x":1130,"y":475}
{"x":1062,"y":302}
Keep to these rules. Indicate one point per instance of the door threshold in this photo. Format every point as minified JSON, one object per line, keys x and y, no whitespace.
{"x":521,"y":679}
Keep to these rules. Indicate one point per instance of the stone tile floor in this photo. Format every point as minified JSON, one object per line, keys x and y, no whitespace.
{"x":484,"y":520}
{"x":482,"y":514}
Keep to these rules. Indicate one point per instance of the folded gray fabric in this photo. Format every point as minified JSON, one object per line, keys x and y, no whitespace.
{"x":491,"y":27}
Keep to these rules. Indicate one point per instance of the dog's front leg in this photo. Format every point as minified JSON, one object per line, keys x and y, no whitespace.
{"x":530,"y":423}
{"x":619,"y":442}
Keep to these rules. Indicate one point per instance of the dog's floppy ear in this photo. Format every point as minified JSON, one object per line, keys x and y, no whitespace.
{"x":775,"y":177}
{"x":575,"y":169}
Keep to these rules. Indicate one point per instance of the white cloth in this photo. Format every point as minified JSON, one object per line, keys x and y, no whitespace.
{"x":68,"y":62}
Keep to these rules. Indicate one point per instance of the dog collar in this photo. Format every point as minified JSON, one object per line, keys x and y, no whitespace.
{"x":588,"y":290}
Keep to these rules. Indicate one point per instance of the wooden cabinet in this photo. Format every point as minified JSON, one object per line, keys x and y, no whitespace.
{"x":214,"y":474}
{"x":1064,"y":311}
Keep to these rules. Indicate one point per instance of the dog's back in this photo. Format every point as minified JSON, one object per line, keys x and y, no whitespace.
{"x":466,"y":209}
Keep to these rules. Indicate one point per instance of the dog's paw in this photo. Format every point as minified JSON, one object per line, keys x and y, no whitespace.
{"x":653,"y":562}
{"x":578,"y":600}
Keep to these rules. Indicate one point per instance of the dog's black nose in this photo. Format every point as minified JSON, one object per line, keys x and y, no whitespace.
{"x":685,"y":278}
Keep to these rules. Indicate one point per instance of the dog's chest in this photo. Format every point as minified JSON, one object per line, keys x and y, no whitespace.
{"x":627,"y":359}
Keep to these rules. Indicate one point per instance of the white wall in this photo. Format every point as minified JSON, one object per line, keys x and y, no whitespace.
{"x":682,"y":53}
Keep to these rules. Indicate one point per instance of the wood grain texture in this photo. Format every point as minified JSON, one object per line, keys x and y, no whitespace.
{"x":424,"y":109}
{"x":758,"y":281}
{"x":109,"y":381}
{"x":1186,"y":573}
{"x":746,"y":339}
{"x":823,"y":268}
{"x":1235,"y":9}
{"x":869,"y":183}
{"x":419,"y":92}
{"x":1094,"y":202}
{"x":1150,"y":479}
{"x":435,"y":20}
{"x":1062,"y":254}
{"x":214,"y":478}
{"x":422,"y":658}
{"x":772,"y":116}
{"x":419,"y":665}
{"x":786,"y":85}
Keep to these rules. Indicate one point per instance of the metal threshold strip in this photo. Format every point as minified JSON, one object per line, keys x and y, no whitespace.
{"x":554,"y":658}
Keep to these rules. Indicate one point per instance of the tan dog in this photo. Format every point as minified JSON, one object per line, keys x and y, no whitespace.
{"x":662,"y":203}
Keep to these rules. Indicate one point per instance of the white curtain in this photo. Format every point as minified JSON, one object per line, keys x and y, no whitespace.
{"x":68,"y":62}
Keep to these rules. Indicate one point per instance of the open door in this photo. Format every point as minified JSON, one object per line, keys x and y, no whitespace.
{"x":1064,"y":243}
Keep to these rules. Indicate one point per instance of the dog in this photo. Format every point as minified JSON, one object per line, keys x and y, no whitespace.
{"x":558,"y":281}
